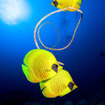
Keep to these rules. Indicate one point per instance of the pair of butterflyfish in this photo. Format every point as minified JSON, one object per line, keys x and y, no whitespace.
{"x":40,"y":66}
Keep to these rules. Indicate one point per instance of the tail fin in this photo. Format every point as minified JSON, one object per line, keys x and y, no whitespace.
{"x":29,"y":74}
{"x":42,"y":85}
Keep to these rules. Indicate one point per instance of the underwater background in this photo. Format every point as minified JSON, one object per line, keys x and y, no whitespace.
{"x":84,"y":58}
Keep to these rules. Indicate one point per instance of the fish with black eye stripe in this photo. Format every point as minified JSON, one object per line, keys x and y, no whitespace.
{"x":67,"y":3}
{"x":41,"y":66}
{"x":59,"y":85}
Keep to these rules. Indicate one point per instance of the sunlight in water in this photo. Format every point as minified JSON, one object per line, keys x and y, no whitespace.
{"x":14,"y":11}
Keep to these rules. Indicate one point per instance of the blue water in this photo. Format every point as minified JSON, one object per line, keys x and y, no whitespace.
{"x":82,"y":59}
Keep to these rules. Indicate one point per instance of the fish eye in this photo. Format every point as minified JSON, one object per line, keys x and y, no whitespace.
{"x":55,"y":3}
{"x":71,"y":85}
{"x":55,"y":67}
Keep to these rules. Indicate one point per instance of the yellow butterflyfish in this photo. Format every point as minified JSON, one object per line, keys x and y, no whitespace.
{"x":40,"y":65}
{"x":67,"y":3}
{"x":59,"y":85}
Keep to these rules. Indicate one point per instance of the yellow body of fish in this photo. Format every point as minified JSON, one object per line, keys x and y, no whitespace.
{"x":59,"y":85}
{"x":67,"y":3}
{"x":40,"y":65}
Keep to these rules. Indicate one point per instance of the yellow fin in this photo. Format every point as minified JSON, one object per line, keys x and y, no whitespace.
{"x":29,"y":74}
{"x":48,"y":93}
{"x":42,"y":85}
{"x":46,"y":90}
{"x":66,"y":91}
{"x":29,"y":57}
